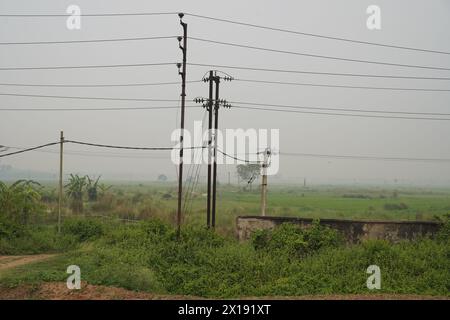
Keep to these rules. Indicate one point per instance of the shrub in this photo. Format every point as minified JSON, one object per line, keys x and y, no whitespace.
{"x":356,"y":196}
{"x":20,"y":239}
{"x":296,"y":241}
{"x":20,"y":201}
{"x":396,"y":206}
{"x":10,"y":229}
{"x":444,"y":232}
{"x":83,"y":230}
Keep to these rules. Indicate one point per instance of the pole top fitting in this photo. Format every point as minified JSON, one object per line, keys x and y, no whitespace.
{"x":179,"y":38}
{"x":179,"y":69}
{"x":181,"y":15}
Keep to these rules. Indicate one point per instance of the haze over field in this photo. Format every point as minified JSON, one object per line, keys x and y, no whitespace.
{"x":404,"y":23}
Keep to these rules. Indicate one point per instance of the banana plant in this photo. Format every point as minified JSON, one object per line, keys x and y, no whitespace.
{"x":92,"y":188}
{"x":75,"y":191}
{"x":20,"y":200}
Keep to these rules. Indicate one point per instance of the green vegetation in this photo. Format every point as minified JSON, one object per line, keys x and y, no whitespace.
{"x":147,"y":256}
{"x":296,"y":242}
{"x":20,"y":201}
{"x":75,"y":191}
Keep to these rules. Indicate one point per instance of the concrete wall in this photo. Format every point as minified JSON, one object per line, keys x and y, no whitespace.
{"x":354,"y":231}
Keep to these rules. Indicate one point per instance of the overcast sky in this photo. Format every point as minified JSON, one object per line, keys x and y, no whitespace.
{"x":421,"y":24}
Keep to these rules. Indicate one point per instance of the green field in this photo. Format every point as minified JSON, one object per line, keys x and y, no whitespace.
{"x":141,"y":201}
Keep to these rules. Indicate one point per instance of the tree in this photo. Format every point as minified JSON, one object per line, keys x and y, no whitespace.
{"x":162,"y":178}
{"x":248,"y":172}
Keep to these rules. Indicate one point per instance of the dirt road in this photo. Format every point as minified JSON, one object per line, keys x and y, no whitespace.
{"x":9,"y":262}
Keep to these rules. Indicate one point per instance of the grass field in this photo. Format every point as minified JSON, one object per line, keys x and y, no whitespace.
{"x":146,"y":256}
{"x":292,"y":201}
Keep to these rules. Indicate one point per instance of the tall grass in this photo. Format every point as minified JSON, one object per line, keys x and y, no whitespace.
{"x":148,"y":257}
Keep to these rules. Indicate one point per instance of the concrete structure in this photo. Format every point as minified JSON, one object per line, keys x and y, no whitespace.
{"x":354,"y":231}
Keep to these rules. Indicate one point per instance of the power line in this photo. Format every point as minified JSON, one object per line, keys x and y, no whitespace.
{"x":96,"y":145}
{"x":127,"y":147}
{"x":88,"y":41}
{"x":256,"y":108}
{"x":86,"y":98}
{"x":236,"y":158}
{"x":315,"y":72}
{"x":90,"y":66}
{"x":92,"y":109}
{"x":192,"y":183}
{"x":95,"y":154}
{"x":340,"y":109}
{"x":361,"y":157}
{"x":87,"y":15}
{"x":317,"y":35}
{"x":227,"y":21}
{"x":357,"y":157}
{"x":317,"y":55}
{"x":28,"y":149}
{"x":338,"y":86}
{"x":341,"y":114}
{"x":97,"y":85}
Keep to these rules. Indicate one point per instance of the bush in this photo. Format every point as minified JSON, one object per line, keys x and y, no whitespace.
{"x":296,"y":241}
{"x":83,"y":230}
{"x":10,"y":229}
{"x":20,"y":201}
{"x":444,"y":232}
{"x":395,"y":206}
{"x":356,"y":196}
{"x":20,"y":239}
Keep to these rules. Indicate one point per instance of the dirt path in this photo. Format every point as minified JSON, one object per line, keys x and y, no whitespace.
{"x":59,"y":291}
{"x":9,"y":262}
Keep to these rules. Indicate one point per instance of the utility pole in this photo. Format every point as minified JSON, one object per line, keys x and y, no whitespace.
{"x":210,"y":118}
{"x":182,"y":73}
{"x":218,"y":102}
{"x":211,"y":203}
{"x":60,"y":195}
{"x":216,"y":125}
{"x":265,"y":164}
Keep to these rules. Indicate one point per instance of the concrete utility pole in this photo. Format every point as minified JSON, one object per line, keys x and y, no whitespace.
{"x":210,"y":118}
{"x":212,"y":156}
{"x":182,"y":73}
{"x":265,"y":164}
{"x":216,"y":125}
{"x":60,"y":195}
{"x":218,"y":102}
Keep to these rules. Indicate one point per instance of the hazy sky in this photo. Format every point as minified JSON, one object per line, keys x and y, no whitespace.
{"x":422,"y":24}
